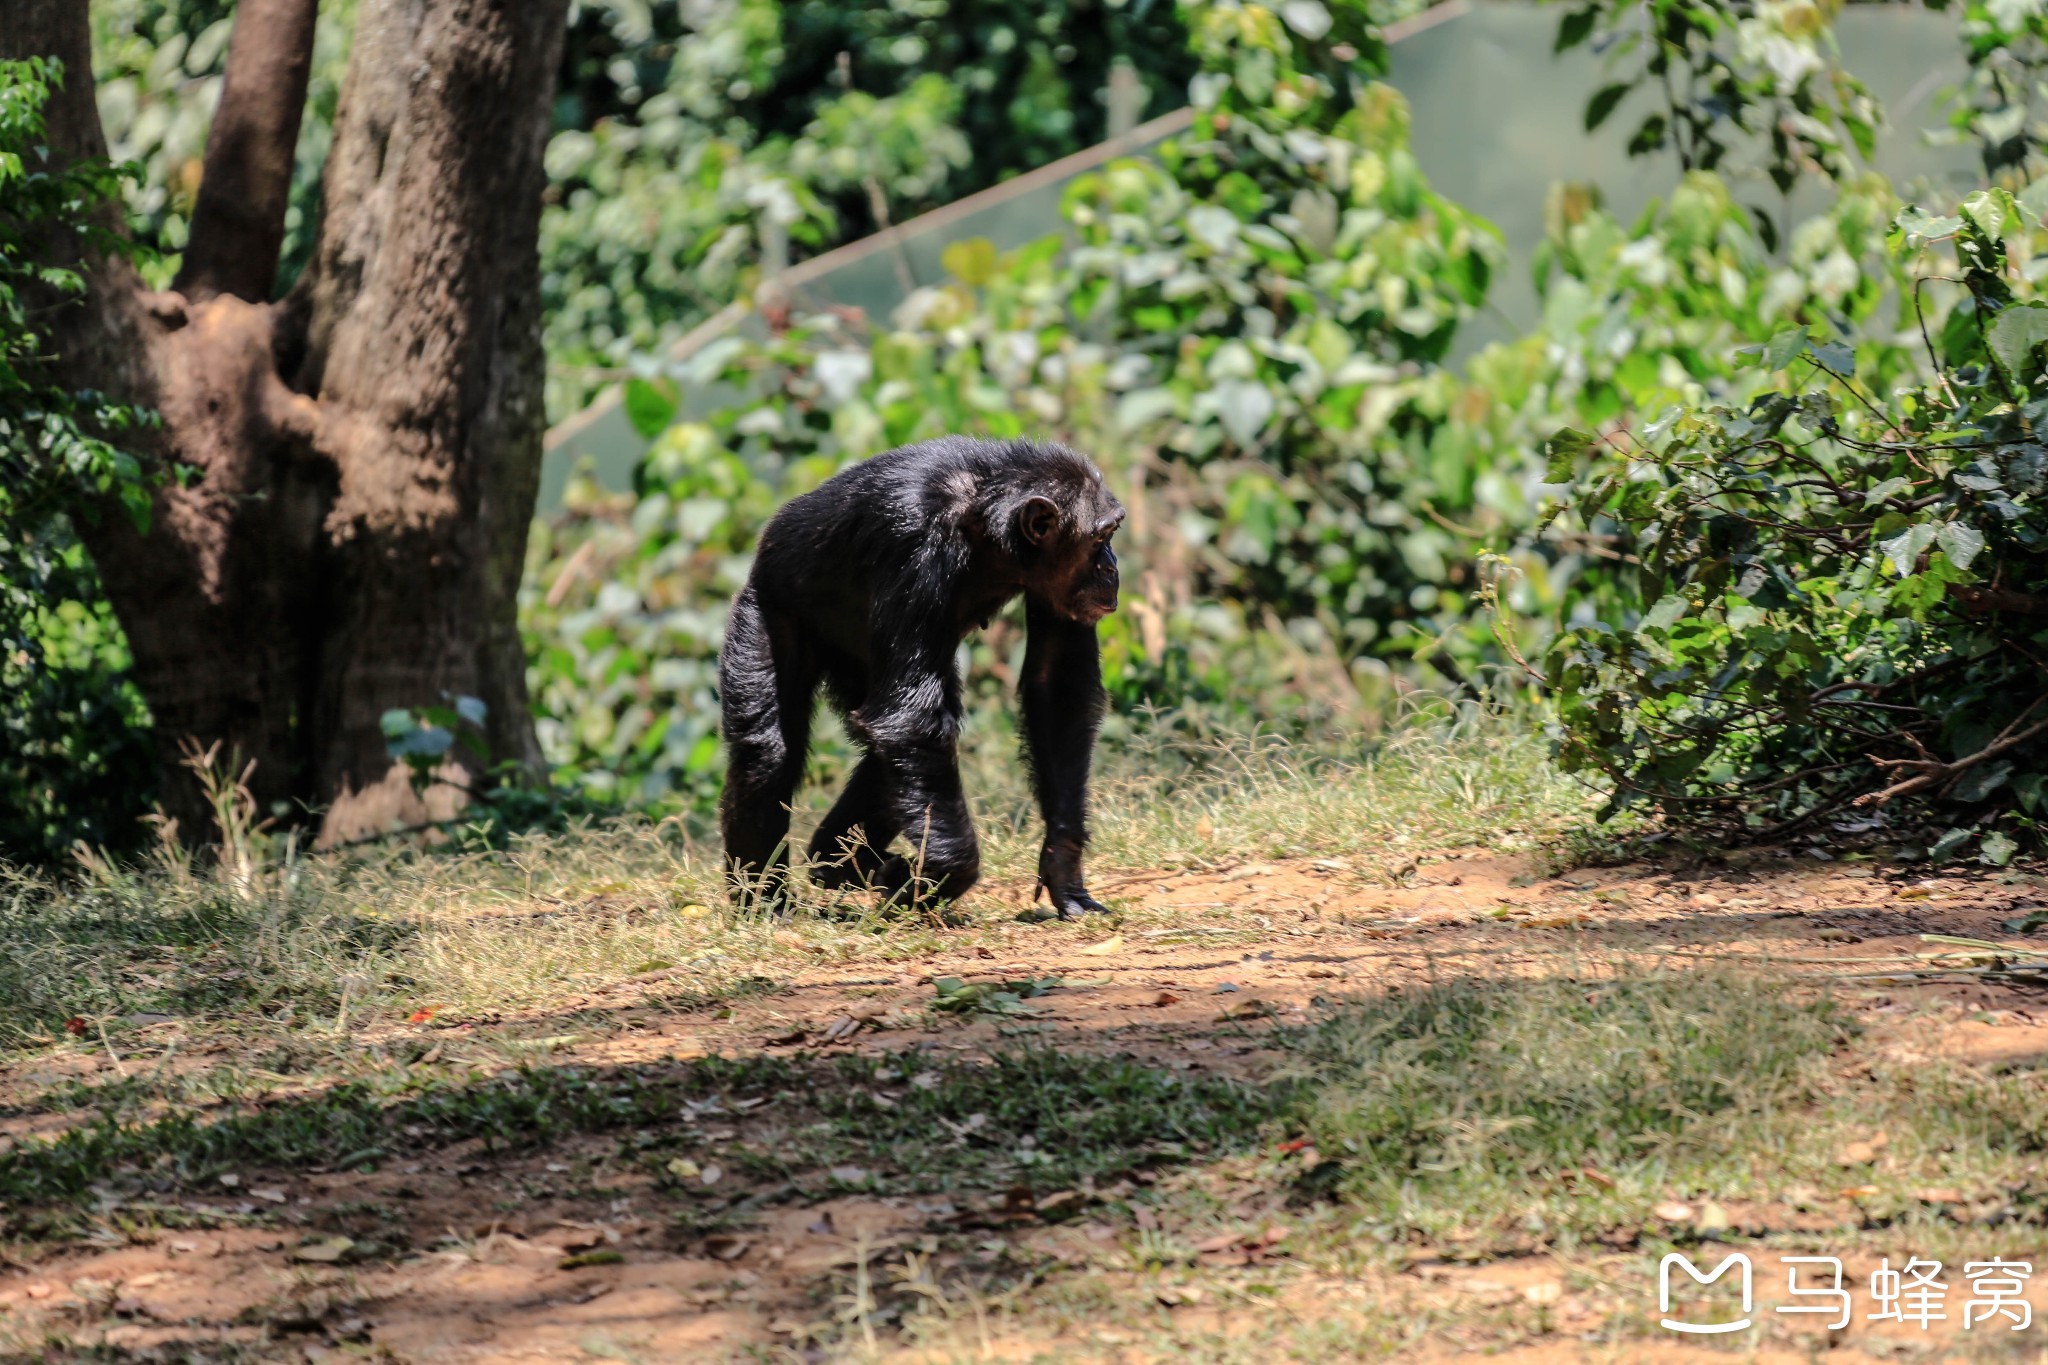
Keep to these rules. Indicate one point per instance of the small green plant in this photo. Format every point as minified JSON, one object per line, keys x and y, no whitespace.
{"x":954,"y":996}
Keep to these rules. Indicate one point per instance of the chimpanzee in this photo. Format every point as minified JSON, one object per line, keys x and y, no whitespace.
{"x":868,"y":584}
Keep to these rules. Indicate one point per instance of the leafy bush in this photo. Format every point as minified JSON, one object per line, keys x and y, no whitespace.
{"x":74,"y":753}
{"x":1834,"y":610}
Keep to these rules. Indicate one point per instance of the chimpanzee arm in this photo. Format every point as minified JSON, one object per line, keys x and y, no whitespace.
{"x":1063,"y":704}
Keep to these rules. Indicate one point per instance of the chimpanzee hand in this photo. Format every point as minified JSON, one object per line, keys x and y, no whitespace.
{"x":1059,"y":876}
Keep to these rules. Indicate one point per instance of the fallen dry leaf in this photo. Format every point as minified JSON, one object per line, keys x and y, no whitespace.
{"x":325,"y":1252}
{"x":1104,"y":948}
{"x":726,"y":1247}
{"x":1673,"y":1212}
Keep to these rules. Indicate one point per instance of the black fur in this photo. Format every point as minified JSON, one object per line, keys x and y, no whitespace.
{"x":866,"y":585}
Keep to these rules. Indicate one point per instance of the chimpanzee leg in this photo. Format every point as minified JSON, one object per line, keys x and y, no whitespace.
{"x":944,"y":858}
{"x":766,"y":681}
{"x":851,"y":845}
{"x":913,"y":732}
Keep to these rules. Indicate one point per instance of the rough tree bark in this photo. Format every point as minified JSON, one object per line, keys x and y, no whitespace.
{"x":362,"y":455}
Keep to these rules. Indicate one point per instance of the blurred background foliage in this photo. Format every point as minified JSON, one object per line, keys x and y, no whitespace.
{"x":1249,"y":330}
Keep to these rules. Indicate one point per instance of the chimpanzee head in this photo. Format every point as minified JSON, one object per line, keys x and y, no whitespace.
{"x":1064,"y":528}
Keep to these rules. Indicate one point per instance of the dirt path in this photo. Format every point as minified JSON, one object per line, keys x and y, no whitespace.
{"x":573,"y":1254}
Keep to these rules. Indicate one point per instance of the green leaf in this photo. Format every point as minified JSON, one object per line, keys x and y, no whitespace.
{"x":972,"y":261}
{"x":1603,"y":103}
{"x":1837,"y":356}
{"x":2014,"y":334}
{"x":650,"y":406}
{"x":1919,"y":227}
{"x":2033,"y":201}
{"x":1574,"y":29}
{"x":1992,"y":212}
{"x":1904,"y":549}
{"x":1245,"y":406}
{"x":1960,"y":542}
{"x":1948,"y":843}
{"x":1785,"y":347}
{"x":1979,"y":782}
{"x":1563,"y":451}
{"x":1666,"y":613}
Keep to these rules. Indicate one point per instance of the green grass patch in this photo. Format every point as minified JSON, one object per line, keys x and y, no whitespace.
{"x":1039,"y":1118}
{"x":1499,"y":1115}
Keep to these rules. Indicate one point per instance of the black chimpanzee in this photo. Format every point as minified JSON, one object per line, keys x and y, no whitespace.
{"x":867,"y":584}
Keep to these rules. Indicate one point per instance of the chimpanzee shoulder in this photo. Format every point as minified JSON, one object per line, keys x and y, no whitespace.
{"x":880,"y":513}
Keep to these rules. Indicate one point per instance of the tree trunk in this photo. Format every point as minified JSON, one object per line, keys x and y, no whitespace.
{"x":361,"y":457}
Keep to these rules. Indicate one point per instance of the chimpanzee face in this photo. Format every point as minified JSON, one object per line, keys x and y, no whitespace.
{"x":1073,"y":567}
{"x":1093,"y":589}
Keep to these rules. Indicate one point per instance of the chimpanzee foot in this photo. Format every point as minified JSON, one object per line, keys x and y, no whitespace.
{"x":1072,"y":902}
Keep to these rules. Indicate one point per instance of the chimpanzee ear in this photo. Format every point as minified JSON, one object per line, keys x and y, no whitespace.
{"x":1037,"y":519}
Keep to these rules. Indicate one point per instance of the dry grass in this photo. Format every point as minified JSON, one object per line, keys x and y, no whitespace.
{"x":324,"y":946}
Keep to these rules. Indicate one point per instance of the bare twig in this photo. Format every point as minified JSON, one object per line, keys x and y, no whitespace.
{"x":1932,"y":771}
